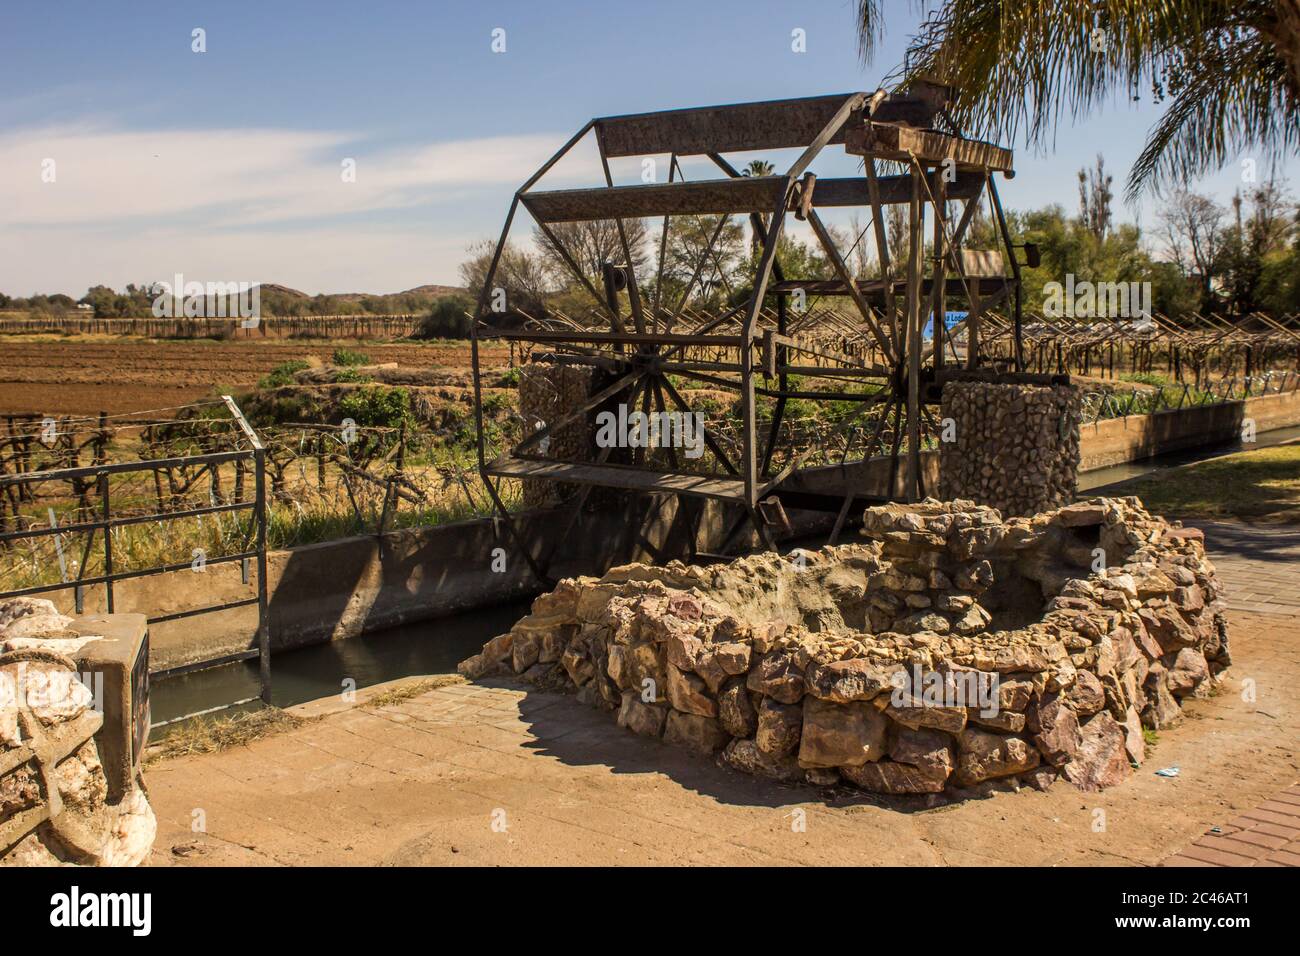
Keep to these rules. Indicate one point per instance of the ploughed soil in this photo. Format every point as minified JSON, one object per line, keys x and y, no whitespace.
{"x":494,"y":774}
{"x":49,"y":375}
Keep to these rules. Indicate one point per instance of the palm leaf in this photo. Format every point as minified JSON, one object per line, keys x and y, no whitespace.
{"x":1229,"y":68}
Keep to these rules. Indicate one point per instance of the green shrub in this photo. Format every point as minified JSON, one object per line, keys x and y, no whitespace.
{"x":377,"y":406}
{"x":282,"y":374}
{"x":447,"y":319}
{"x":346,"y":357}
{"x":495,"y":404}
{"x":1145,"y":378}
{"x":352,"y":375}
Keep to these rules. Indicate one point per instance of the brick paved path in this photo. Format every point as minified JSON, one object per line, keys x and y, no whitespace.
{"x":1260,"y":566}
{"x":427,"y":779}
{"x":1269,"y":835}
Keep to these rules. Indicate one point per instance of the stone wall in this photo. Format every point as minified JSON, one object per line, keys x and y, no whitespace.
{"x":54,"y":795}
{"x":1014,"y":447}
{"x":546,"y":394}
{"x":953,"y":650}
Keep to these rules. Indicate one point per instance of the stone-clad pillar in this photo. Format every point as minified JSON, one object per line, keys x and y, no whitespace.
{"x":546,"y":394}
{"x":1014,"y":447}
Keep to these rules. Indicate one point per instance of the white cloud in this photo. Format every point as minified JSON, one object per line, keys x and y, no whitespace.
{"x":242,"y":176}
{"x":265,"y":204}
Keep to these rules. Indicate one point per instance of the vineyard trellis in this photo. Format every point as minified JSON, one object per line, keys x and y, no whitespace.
{"x":1195,"y":347}
{"x":369,"y":473}
{"x":88,"y":502}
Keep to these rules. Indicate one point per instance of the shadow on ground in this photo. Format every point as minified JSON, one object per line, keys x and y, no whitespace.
{"x":578,"y":735}
{"x":1255,"y":542}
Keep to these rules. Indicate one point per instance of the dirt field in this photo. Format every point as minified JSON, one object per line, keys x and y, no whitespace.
{"x":54,"y":376}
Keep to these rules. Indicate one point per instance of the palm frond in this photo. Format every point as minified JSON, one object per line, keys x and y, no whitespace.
{"x":870,"y":28}
{"x":1024,"y":67}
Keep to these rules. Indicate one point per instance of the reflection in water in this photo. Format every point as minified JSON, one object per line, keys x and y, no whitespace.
{"x":427,"y":647}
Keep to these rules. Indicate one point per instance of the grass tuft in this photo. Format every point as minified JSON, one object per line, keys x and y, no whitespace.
{"x":205,"y":735}
{"x":413,"y":689}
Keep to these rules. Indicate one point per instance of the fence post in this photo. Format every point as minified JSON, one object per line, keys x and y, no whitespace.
{"x":259,"y":516}
{"x":263,"y":629}
{"x":106,"y":515}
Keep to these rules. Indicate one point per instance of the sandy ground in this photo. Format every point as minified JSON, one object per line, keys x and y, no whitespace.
{"x":476,"y":774}
{"x":52,"y":376}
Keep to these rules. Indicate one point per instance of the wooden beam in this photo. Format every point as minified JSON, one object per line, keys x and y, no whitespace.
{"x":748,"y":412}
{"x":738,"y":127}
{"x":940,"y":244}
{"x":744,"y":194}
{"x":620,"y":338}
{"x":927,"y":146}
{"x":913,"y":338}
{"x":952,"y":286}
{"x":619,"y":476}
{"x":876,"y":197}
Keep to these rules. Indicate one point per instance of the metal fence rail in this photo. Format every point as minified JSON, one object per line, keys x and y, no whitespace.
{"x":1101,"y":405}
{"x":99,"y":513}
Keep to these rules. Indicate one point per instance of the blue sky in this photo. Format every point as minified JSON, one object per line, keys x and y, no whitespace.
{"x":225,"y":165}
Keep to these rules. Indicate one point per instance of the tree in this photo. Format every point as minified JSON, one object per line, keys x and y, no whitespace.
{"x":591,"y":244}
{"x":1227,"y":70}
{"x":688,"y":239}
{"x":106,"y":302}
{"x":1194,"y":233}
{"x":859,"y":257}
{"x":449,"y":318}
{"x":520,"y":273}
{"x":1256,"y":258}
{"x":1070,"y":247}
{"x":898,"y":232}
{"x":799,"y":260}
{"x":1095,"y":198}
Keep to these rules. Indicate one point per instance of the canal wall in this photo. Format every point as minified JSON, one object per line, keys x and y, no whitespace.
{"x":1135,"y":437}
{"x":340,"y":589}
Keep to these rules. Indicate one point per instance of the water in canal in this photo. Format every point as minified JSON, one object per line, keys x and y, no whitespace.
{"x":1094,"y":481}
{"x":428,"y":647}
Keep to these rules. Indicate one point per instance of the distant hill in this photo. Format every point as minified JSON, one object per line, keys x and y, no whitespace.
{"x":283,"y":290}
{"x":437,"y":290}
{"x":282,"y":300}
{"x":422,"y":291}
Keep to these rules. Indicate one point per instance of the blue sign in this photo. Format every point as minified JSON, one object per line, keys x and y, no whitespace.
{"x":949,"y":320}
